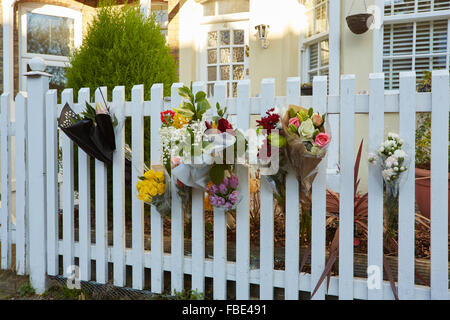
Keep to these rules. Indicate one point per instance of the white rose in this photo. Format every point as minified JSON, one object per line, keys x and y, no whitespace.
{"x":306,"y":129}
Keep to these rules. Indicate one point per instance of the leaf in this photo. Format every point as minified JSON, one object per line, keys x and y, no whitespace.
{"x":185,"y":92}
{"x":186,"y":113}
{"x":310,"y":112}
{"x":199,"y":96}
{"x":189,"y":106}
{"x":331,"y":261}
{"x":202,"y":107}
{"x":217,"y":173}
{"x":357,"y":162}
{"x":292,"y":113}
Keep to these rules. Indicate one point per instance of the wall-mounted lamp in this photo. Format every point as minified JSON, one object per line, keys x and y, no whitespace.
{"x":263,"y":31}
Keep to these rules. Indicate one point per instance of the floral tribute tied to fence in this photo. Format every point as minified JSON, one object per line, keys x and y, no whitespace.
{"x":205,"y":151}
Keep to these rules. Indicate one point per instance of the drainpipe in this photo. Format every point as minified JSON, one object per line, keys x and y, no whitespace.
{"x":8,"y":46}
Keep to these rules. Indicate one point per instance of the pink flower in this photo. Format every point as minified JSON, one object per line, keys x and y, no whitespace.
{"x":317,"y":119}
{"x":322,"y":139}
{"x":295,"y":122}
{"x":355,"y":242}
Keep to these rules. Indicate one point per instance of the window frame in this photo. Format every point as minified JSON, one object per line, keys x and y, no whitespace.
{"x":51,"y":60}
{"x":202,"y":73}
{"x":414,"y":18}
{"x":307,"y":42}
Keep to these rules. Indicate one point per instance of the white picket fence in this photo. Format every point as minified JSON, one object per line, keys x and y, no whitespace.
{"x":37,"y":205}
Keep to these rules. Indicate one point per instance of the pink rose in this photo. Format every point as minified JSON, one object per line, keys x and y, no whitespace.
{"x":317,"y":119}
{"x":322,"y":139}
{"x":295,"y":122}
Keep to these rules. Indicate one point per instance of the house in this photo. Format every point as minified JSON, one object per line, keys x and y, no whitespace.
{"x":218,"y":40}
{"x":49,"y":29}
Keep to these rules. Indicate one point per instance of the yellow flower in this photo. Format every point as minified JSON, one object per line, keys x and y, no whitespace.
{"x":161,"y":189}
{"x":160,"y":176}
{"x":178,"y":120}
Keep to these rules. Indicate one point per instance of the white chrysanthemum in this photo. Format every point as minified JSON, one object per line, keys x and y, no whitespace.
{"x":399,"y":153}
{"x":389,"y":162}
{"x":387,"y":174}
{"x":393,"y":135}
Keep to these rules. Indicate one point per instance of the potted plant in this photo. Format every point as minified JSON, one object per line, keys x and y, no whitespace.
{"x":423,"y":153}
{"x":359,"y":23}
{"x":306,"y":89}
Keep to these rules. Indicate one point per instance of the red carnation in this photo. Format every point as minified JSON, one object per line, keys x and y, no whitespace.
{"x":270,"y":121}
{"x":167,"y":116}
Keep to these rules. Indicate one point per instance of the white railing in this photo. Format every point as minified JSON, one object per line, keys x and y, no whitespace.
{"x":38,"y":192}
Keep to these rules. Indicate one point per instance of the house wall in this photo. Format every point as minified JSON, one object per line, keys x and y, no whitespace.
{"x":357,"y":59}
{"x":87,"y":15}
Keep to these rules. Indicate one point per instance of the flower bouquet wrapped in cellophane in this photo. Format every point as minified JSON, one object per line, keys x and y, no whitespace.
{"x":154,"y":189}
{"x":272,"y":154}
{"x":307,"y":142}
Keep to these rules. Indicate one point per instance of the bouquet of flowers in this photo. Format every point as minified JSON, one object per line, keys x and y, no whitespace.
{"x":154,"y":190}
{"x":92,"y":130}
{"x":307,"y":144}
{"x":225,"y":195}
{"x":182,"y":135}
{"x":393,"y":161}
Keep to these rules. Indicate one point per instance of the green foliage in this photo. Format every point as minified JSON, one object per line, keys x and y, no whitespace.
{"x":423,"y":142}
{"x":26,"y":290}
{"x":189,"y":295}
{"x":58,"y":292}
{"x":122,"y":48}
{"x":423,"y":129}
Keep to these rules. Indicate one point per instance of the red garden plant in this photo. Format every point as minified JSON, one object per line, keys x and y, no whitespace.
{"x":361,"y":221}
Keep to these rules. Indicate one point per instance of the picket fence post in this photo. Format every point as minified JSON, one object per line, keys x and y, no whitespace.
{"x":38,"y":85}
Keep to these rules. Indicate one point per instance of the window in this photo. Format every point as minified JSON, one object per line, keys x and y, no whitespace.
{"x":162,"y":17}
{"x":225,"y":58}
{"x":50,"y":32}
{"x":418,"y":42}
{"x":315,"y":43}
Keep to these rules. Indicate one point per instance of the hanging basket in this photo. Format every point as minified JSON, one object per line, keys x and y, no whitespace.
{"x":360,"y":23}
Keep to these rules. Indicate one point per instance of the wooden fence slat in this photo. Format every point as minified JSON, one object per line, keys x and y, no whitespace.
{"x":375,"y":188}
{"x":67,"y":193}
{"x":243,"y":207}
{"x":101,"y":209}
{"x":319,"y":199}
{"x":84,"y":199}
{"x":266,"y":211}
{"x":346,"y":194}
{"x":177,"y":227}
{"x":156,"y":225}
{"x":292,"y":249}
{"x":21,"y":184}
{"x":220,"y":223}
{"x":406,"y":204}
{"x":439,"y":185}
{"x":5,"y":142}
{"x":117,"y":107}
{"x":137,"y":217}
{"x":52,"y":181}
{"x":198,"y":227}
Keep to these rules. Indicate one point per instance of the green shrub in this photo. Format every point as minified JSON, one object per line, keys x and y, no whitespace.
{"x":26,"y":290}
{"x":122,"y":47}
